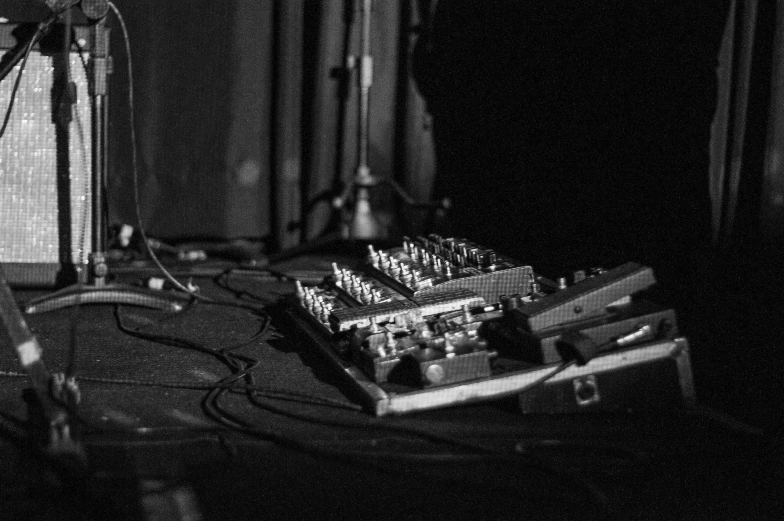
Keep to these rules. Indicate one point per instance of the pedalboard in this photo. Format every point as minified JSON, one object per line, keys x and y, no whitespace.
{"x":440,"y":321}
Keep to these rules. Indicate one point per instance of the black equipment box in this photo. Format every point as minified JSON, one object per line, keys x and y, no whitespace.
{"x":654,"y":376}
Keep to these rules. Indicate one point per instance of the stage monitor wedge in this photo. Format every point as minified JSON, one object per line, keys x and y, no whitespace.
{"x":46,"y":163}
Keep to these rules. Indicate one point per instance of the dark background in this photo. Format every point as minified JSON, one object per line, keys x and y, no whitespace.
{"x":576,"y":134}
{"x":566,"y":135}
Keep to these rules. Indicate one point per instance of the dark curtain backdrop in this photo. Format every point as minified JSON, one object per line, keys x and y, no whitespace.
{"x":239,"y":114}
{"x":772,"y":200}
{"x":239,"y":118}
{"x":744,"y":134}
{"x":185,"y":70}
{"x":746,"y":171}
{"x":573,"y":133}
{"x":240,"y":123}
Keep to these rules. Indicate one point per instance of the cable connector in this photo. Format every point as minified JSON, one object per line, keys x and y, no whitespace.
{"x":161,"y":284}
{"x":576,"y":346}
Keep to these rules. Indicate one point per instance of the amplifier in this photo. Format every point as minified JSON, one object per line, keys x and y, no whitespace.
{"x":46,"y":167}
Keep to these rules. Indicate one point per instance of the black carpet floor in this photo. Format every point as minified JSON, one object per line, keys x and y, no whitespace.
{"x":162,"y":443}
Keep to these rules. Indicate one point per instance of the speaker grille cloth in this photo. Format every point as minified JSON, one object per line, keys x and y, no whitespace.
{"x":29,"y":211}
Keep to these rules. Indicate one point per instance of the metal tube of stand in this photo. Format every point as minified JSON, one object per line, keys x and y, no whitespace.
{"x":97,"y":265}
{"x":365,"y":83}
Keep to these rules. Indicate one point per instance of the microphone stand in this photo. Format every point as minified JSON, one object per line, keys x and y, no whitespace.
{"x":360,"y":222}
{"x":98,"y":289}
{"x":357,"y":220}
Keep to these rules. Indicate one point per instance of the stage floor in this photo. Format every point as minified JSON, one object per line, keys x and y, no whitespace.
{"x":162,"y":443}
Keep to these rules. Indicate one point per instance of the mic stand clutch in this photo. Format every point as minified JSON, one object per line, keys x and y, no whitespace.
{"x":98,"y":289}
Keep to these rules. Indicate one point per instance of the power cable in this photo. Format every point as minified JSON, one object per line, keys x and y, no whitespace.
{"x":135,"y":162}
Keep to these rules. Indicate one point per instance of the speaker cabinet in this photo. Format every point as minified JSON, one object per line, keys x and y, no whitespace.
{"x":46,"y":163}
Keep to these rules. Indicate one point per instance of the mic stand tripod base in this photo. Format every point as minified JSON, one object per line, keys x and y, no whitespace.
{"x":362,"y":223}
{"x":100,"y":292}
{"x":359,"y":222}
